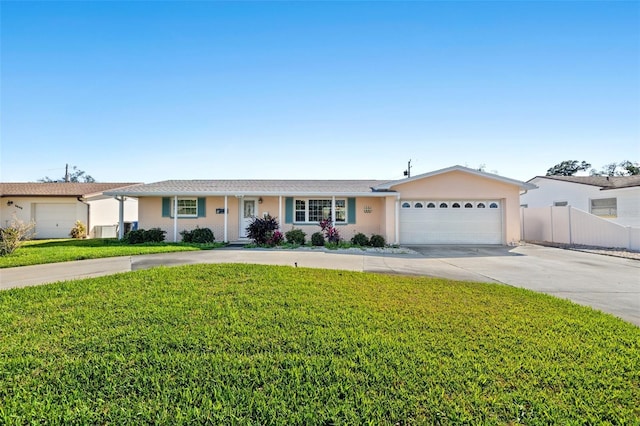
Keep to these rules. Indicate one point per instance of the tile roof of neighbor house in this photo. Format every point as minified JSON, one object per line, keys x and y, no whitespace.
{"x":250,"y":187}
{"x":57,"y":189}
{"x":604,"y":182}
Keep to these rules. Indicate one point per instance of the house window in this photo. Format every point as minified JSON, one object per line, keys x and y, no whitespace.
{"x":443,"y":205}
{"x":406,"y":205}
{"x":560,"y":203}
{"x":317,"y":210}
{"x":605,"y":207}
{"x":187,"y":207}
{"x":493,"y":205}
{"x":456,"y":205}
{"x":418,"y":205}
{"x":468,"y":206}
{"x":431,"y":206}
{"x":481,"y":206}
{"x":301,"y":210}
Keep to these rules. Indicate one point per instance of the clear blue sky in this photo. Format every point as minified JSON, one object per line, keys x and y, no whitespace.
{"x":147,"y":91}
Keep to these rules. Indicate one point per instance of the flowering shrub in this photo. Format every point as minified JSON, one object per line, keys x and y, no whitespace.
{"x":330,"y":232}
{"x":261,"y":230}
{"x":275,"y":239}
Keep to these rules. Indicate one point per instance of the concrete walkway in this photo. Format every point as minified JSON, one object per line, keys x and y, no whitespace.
{"x":606,"y":283}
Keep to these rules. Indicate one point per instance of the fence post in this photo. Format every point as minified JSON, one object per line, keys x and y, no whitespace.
{"x":551,"y":216}
{"x":570,"y":230}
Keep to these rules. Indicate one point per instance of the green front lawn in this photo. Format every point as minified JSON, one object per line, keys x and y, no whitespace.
{"x":245,"y":344}
{"x":51,"y":251}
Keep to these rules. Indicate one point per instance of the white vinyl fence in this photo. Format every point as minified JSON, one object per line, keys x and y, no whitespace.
{"x":568,"y":225}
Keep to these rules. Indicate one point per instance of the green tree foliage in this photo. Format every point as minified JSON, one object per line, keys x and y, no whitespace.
{"x":623,"y":168}
{"x":568,"y":168}
{"x":75,"y":175}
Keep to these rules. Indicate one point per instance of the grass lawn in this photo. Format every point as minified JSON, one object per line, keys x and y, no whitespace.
{"x":246,"y":344}
{"x":51,"y":251}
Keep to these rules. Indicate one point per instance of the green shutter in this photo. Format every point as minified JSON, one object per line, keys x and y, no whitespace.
{"x":166,"y":207}
{"x":351,"y":210}
{"x":288,"y":210}
{"x":202,"y":209}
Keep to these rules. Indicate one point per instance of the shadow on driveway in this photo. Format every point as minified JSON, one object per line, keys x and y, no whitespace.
{"x":461,"y":251}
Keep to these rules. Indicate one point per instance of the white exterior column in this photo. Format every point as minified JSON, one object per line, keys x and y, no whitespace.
{"x":280,"y":211}
{"x":121,"y":217}
{"x":397,"y":236}
{"x":175,"y":219}
{"x":333,"y":211}
{"x":226,"y":219}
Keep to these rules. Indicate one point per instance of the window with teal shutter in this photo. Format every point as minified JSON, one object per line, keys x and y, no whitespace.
{"x":166,"y":207}
{"x":202,"y":203}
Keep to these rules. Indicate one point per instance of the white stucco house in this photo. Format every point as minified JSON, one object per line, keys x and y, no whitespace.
{"x":616,"y":198}
{"x":55,"y":207}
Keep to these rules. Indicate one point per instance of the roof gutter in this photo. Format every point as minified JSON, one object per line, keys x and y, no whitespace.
{"x":248,"y":193}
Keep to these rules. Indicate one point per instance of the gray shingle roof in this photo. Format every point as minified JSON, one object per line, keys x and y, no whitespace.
{"x":56,"y":189}
{"x":248,"y":187}
{"x":604,"y":182}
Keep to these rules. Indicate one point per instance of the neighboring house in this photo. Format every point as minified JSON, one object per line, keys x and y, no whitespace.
{"x":616,"y":198}
{"x":455,"y":205}
{"x":55,"y":207}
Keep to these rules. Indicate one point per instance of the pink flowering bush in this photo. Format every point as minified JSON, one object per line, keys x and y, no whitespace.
{"x":330,"y":232}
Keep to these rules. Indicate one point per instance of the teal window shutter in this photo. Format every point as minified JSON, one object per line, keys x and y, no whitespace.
{"x":202,"y":209}
{"x":351,"y":210}
{"x":166,"y":207}
{"x":288,"y":210}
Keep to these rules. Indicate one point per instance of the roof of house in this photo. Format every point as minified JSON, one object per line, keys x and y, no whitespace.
{"x":522,"y":185}
{"x":250,"y":187}
{"x":57,"y":189}
{"x":240,"y":187}
{"x":604,"y":182}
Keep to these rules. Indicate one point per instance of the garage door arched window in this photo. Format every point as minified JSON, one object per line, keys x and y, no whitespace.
{"x":431,"y":206}
{"x":456,"y":205}
{"x":418,"y":205}
{"x":493,"y":205}
{"x":481,"y":206}
{"x":406,"y":205}
{"x":468,"y":206}
{"x":443,"y":205}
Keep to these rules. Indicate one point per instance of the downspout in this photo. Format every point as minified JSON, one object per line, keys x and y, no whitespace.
{"x":333,"y":211}
{"x":226,"y":218}
{"x":88,"y":214}
{"x":175,"y":219}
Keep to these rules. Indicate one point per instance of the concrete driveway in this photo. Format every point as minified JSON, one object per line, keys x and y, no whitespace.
{"x":606,"y":283}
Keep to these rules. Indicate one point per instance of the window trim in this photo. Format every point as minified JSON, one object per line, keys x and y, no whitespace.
{"x":613,"y":211}
{"x":345,"y":208}
{"x":172,"y":206}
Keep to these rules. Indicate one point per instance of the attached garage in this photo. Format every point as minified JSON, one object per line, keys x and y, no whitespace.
{"x":54,"y":220}
{"x":451,"y":222}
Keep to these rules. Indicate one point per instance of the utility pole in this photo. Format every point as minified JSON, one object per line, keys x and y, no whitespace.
{"x":66,"y":173}
{"x":407,"y":172}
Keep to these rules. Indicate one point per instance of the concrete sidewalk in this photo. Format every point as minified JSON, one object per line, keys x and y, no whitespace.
{"x":606,"y":283}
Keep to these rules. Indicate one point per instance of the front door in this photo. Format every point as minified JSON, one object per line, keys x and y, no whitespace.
{"x":247,"y":214}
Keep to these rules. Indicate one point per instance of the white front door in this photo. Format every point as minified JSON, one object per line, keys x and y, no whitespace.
{"x":248,"y":212}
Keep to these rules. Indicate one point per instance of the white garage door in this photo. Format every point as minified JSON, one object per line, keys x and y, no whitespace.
{"x":54,"y":220}
{"x":451,"y":222}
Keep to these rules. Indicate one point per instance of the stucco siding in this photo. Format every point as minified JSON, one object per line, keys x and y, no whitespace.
{"x":24,"y":209}
{"x":460,"y":186}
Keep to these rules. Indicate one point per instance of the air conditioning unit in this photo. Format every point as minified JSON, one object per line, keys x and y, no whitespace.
{"x":105,"y":231}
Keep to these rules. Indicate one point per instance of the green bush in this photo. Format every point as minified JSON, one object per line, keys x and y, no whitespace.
{"x":377,"y":240}
{"x":360,"y":240}
{"x":261,"y":230}
{"x":296,"y":236}
{"x":79,"y":230}
{"x":317,"y":239}
{"x":198,"y":235}
{"x":153,"y":235}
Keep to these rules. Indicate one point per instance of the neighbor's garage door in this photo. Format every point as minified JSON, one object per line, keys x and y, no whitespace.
{"x":54,"y":220}
{"x":451,"y":222}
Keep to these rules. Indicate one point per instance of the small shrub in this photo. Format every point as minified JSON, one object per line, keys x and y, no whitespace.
{"x":79,"y":230}
{"x":296,"y":236}
{"x":198,"y":236}
{"x":360,"y":240}
{"x":317,"y":239}
{"x":12,"y":237}
{"x":330,"y":231}
{"x":275,"y":239}
{"x":377,"y":241}
{"x":261,"y":229}
{"x":139,"y":236}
